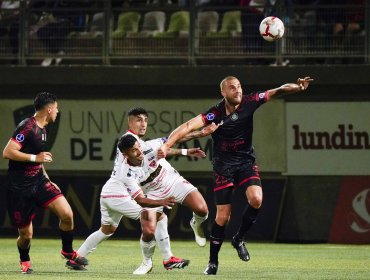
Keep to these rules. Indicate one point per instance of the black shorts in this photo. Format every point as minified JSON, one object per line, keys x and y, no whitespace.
{"x":227,"y":177}
{"x":21,"y":203}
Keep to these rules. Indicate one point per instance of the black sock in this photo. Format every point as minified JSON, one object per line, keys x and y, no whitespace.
{"x":67,"y":240}
{"x":24,"y":254}
{"x":216,"y":238}
{"x":248,"y":219}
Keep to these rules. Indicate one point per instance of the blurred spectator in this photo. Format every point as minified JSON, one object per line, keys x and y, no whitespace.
{"x":340,"y":23}
{"x":253,"y":13}
{"x":59,"y":22}
{"x":345,"y":17}
{"x":9,"y":24}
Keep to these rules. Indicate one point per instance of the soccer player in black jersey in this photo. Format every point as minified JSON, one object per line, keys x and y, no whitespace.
{"x":28,"y":184}
{"x":234,"y":161}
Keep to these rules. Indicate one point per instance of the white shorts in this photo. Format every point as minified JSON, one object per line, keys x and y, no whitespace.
{"x":179,"y":189}
{"x":113,"y":208}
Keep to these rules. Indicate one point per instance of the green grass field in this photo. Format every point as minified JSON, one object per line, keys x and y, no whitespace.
{"x":117,"y":259}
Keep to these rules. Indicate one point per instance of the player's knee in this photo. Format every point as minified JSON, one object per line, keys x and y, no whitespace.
{"x":222,"y":219}
{"x":255,"y":202}
{"x":25,"y":236}
{"x":108,"y":229}
{"x":147,"y":236}
{"x":203,"y":211}
{"x":66,"y":217}
{"x":148,"y":233}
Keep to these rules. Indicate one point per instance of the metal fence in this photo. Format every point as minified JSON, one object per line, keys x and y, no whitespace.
{"x":172,"y":34}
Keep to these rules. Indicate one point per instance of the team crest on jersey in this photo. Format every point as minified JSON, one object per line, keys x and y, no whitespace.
{"x":153,"y":164}
{"x":234,"y":116}
{"x":19,"y":137}
{"x":210,"y":116}
{"x":262,"y":95}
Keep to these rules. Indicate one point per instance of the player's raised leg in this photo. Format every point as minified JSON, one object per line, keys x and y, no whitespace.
{"x":196,"y":202}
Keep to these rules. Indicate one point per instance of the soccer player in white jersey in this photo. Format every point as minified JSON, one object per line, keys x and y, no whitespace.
{"x":142,"y":172}
{"x":115,"y":203}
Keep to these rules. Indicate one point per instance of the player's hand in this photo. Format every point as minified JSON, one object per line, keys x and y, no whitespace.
{"x":209,"y":129}
{"x":162,"y":152}
{"x":169,"y":202}
{"x":303,"y":83}
{"x":196,"y":152}
{"x":44,"y":157}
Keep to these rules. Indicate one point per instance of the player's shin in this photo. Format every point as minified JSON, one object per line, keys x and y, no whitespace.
{"x":249,"y":218}
{"x":67,"y":240}
{"x":92,"y":242}
{"x":163,"y":239}
{"x":199,"y":219}
{"x":216,"y":239}
{"x":147,"y":249}
{"x":24,"y":253}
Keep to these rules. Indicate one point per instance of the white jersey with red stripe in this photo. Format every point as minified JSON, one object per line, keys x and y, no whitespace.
{"x":114,"y":186}
{"x":154,"y":177}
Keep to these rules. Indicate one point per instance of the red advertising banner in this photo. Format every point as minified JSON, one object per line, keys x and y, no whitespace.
{"x":351,"y":221}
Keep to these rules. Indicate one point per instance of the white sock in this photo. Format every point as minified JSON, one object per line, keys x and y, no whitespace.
{"x":147,"y":250}
{"x":163,"y":239}
{"x":92,"y":242}
{"x":199,"y":219}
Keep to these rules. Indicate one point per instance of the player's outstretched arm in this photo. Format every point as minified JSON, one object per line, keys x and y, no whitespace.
{"x":205,"y":131}
{"x":301,"y":85}
{"x":192,"y":152}
{"x":147,"y":202}
{"x":180,"y":132}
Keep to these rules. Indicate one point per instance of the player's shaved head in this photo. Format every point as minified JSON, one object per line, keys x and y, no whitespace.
{"x":226,"y":79}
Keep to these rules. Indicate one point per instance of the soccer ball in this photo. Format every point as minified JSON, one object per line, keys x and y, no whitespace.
{"x":271,"y":29}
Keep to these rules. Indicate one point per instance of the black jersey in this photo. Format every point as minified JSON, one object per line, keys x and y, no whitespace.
{"x":232,"y":141}
{"x":32,"y":140}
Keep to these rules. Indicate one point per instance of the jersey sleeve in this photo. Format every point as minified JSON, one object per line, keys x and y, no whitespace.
{"x":213,"y":115}
{"x":132,"y":187}
{"x":129,"y":180}
{"x":258,"y":98}
{"x":21,"y":134}
{"x":155,"y":144}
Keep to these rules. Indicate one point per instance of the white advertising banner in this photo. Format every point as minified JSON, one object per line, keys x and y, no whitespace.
{"x":328,"y":138}
{"x":86,"y":133}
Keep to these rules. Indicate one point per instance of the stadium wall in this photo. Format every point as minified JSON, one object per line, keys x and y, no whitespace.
{"x":308,"y":192}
